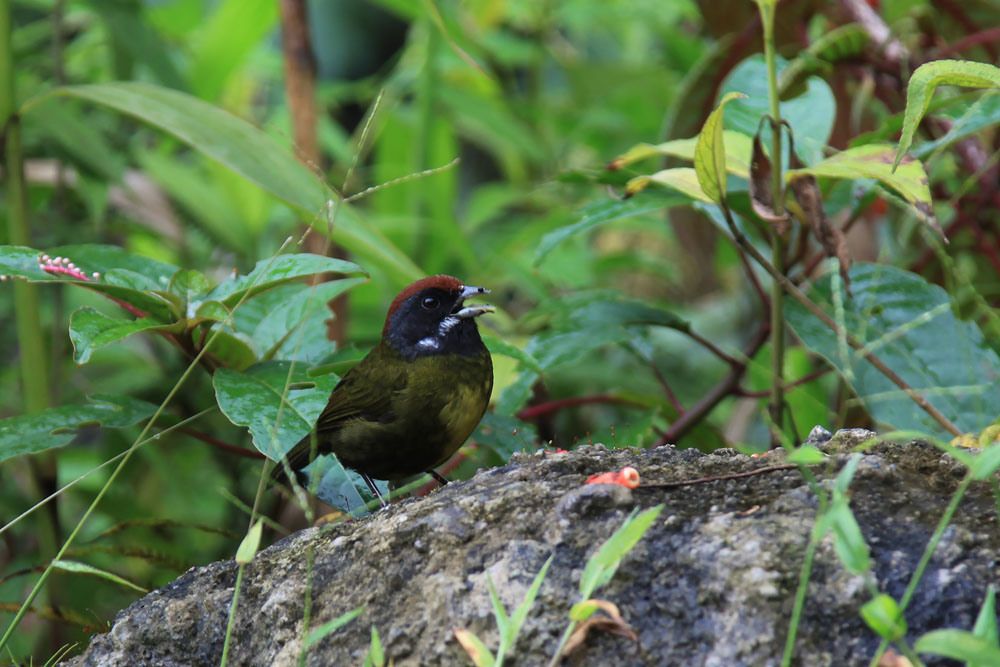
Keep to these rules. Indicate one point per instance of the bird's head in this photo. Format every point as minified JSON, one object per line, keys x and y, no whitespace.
{"x":430,"y":317}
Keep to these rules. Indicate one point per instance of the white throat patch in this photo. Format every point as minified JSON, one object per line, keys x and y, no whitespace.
{"x":434,"y":342}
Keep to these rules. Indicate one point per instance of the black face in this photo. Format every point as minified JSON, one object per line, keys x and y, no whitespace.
{"x":426,"y":324}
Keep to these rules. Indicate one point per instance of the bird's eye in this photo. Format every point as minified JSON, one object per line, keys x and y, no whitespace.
{"x":430,"y":302}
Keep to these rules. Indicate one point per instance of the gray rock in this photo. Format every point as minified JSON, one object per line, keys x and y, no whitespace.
{"x":712,"y":583}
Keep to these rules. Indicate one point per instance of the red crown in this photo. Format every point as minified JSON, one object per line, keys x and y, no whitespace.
{"x":442,"y":282}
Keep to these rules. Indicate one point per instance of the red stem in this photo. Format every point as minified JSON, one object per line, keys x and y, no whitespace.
{"x":555,"y":406}
{"x":225,"y":446}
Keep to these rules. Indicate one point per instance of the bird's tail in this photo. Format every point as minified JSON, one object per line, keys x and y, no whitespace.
{"x":298,"y":457}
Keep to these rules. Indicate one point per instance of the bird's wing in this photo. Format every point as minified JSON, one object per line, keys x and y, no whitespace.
{"x":364,"y":393}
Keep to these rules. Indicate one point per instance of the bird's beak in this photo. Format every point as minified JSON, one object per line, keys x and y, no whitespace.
{"x":462,"y":311}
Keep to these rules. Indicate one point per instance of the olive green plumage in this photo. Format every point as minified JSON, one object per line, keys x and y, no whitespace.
{"x":414,"y":400}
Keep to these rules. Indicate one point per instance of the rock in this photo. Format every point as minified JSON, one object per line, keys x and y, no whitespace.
{"x":712,"y":583}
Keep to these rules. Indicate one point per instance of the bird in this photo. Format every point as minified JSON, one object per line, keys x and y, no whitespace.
{"x":410,"y":404}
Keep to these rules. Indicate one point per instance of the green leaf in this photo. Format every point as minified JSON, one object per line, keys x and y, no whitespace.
{"x":923,"y":82}
{"x":907,"y":323}
{"x":22,"y":262}
{"x":295,"y":327}
{"x":331,"y":626}
{"x":681,"y":179}
{"x":959,"y":645}
{"x":986,"y":623}
{"x":806,"y":455}
{"x":104,"y":258}
{"x":601,"y":567}
{"x":848,"y":541}
{"x":55,"y":427}
{"x":233,"y":350}
{"x":521,"y":613}
{"x":552,"y":349}
{"x":602,"y":212}
{"x":254,"y":399}
{"x":810,"y":114}
{"x":738,"y":148}
{"x":250,"y":543}
{"x":189,"y":284}
{"x":84,"y":568}
{"x":846,"y":474}
{"x":875,"y":161}
{"x":498,"y":346}
{"x":499,"y":613}
{"x":710,"y":152}
{"x":581,"y":611}
{"x":505,"y":435}
{"x":270,"y":273}
{"x":884,"y":616}
{"x":375,"y":653}
{"x":90,"y":329}
{"x":249,"y":152}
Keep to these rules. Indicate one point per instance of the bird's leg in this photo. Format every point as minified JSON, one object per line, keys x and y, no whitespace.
{"x":438,"y":476}
{"x":371,"y":485}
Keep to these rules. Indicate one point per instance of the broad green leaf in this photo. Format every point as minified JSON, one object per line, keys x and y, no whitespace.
{"x":295,"y":328}
{"x":884,"y":616}
{"x":331,"y":626}
{"x":710,"y":152}
{"x":22,"y":262}
{"x":250,"y":543}
{"x":875,"y":161}
{"x":908,"y":323}
{"x":555,"y":348}
{"x":498,"y":346}
{"x":84,"y":568}
{"x":926,"y":78}
{"x":68,"y":127}
{"x":600,"y":213}
{"x":104,"y":258}
{"x":249,"y":152}
{"x":254,"y":399}
{"x":738,"y":148}
{"x":90,"y":329}
{"x":270,"y":273}
{"x":681,"y":179}
{"x":959,"y":645}
{"x":55,"y":427}
{"x":602,"y":308}
{"x":601,"y":567}
{"x":581,"y":611}
{"x":515,"y":395}
{"x":506,"y":435}
{"x":810,"y":114}
{"x":233,"y":350}
{"x":189,"y":285}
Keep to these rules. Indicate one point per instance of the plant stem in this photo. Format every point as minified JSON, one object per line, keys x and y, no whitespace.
{"x":34,"y":377}
{"x":232,"y":616}
{"x":818,"y":312}
{"x":777,"y":243}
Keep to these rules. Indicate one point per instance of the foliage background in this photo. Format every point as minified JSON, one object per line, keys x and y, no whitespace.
{"x":534,"y":98}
